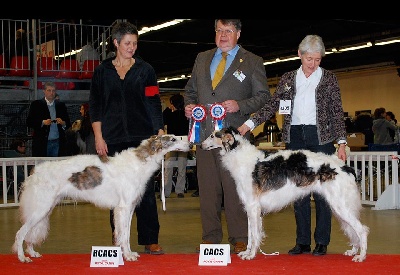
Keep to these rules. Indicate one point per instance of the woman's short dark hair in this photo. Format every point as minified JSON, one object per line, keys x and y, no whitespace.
{"x":122,"y":28}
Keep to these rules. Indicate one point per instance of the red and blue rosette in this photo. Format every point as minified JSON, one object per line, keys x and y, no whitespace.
{"x":218,"y":114}
{"x":198,"y":115}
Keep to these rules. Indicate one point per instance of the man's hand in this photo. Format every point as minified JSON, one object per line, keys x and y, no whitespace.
{"x":231,"y":106}
{"x":188,"y":110}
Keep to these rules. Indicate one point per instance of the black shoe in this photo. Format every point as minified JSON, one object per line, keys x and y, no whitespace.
{"x":300,"y":249}
{"x":320,"y":250}
{"x":195,"y":194}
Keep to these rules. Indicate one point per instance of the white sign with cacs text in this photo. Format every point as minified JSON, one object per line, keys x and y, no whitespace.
{"x":215,"y":254}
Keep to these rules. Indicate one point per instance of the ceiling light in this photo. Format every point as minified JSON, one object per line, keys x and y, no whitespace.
{"x":284,"y":59}
{"x":355,"y":47}
{"x":167,"y":79}
{"x":387,"y":41}
{"x":142,"y":31}
{"x":161,"y":26}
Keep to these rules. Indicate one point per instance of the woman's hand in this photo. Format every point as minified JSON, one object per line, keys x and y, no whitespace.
{"x":243,"y":129}
{"x":342,"y":152}
{"x":101,"y":147}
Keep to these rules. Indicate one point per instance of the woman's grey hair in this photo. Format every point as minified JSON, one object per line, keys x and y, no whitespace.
{"x":121,"y":29}
{"x":312,"y":44}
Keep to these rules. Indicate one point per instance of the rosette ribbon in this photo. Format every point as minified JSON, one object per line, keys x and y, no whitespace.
{"x":198,"y":115}
{"x":218,"y":114}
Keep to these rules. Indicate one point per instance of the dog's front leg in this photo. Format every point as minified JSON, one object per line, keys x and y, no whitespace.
{"x":254,"y":231}
{"x":122,"y":221}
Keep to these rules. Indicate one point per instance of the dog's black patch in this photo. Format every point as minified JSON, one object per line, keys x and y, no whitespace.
{"x":270,"y":175}
{"x":349,"y":170}
{"x":87,"y":179}
{"x":273,"y":174}
{"x":326,"y":173}
{"x":298,"y":171}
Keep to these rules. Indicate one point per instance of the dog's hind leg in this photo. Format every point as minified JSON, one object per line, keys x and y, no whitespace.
{"x":34,"y":231}
{"x":122,"y":221}
{"x":255,"y":231}
{"x":348,"y":217}
{"x":357,"y":234}
{"x":35,"y":215}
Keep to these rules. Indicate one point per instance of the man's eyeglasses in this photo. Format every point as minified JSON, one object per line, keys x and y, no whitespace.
{"x":227,"y":32}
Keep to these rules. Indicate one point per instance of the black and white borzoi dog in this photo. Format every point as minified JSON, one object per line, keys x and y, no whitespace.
{"x":117,"y":183}
{"x":268,"y":184}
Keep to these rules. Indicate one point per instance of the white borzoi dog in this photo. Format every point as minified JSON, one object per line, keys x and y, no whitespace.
{"x":117,"y":183}
{"x":268,"y":184}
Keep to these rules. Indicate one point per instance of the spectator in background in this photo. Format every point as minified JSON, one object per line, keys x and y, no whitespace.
{"x":87,"y":53}
{"x":176,"y":123}
{"x":270,"y":132}
{"x":18,"y":47}
{"x":381,"y":126}
{"x":18,"y":146}
{"x":110,"y":49}
{"x":363,"y":124}
{"x":49,"y":119}
{"x":349,"y":124}
{"x":392,"y":118}
{"x":80,"y":136}
{"x":86,"y":130}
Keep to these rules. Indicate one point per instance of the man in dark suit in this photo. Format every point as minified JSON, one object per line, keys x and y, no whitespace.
{"x":242,"y":90}
{"x":49,"y":119}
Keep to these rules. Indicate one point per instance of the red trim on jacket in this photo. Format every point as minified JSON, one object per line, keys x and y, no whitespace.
{"x":151,"y":91}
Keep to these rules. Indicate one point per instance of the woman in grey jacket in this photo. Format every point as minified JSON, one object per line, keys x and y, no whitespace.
{"x":310,"y":100}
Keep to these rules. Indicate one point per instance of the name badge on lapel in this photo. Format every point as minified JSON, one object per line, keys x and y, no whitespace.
{"x":239,"y":75}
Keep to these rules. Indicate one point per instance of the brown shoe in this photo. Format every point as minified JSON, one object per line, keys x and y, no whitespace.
{"x":239,"y":247}
{"x":153,"y":249}
{"x":203,"y":242}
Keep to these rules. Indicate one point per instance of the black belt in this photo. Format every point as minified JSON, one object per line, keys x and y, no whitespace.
{"x":304,"y":125}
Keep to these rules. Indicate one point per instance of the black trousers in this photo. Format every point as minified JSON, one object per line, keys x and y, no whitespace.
{"x":306,"y":137}
{"x":148,"y":226}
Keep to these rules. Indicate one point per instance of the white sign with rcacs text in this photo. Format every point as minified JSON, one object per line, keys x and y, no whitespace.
{"x":106,"y":256}
{"x":215,"y":254}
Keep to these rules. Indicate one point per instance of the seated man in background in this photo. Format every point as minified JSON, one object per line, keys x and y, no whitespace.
{"x":17,"y":150}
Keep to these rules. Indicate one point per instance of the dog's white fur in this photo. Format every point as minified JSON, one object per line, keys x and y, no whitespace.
{"x":117,"y":183}
{"x":341,"y":192}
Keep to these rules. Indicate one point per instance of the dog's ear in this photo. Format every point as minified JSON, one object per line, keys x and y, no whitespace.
{"x":156,"y":143}
{"x":229,"y":141}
